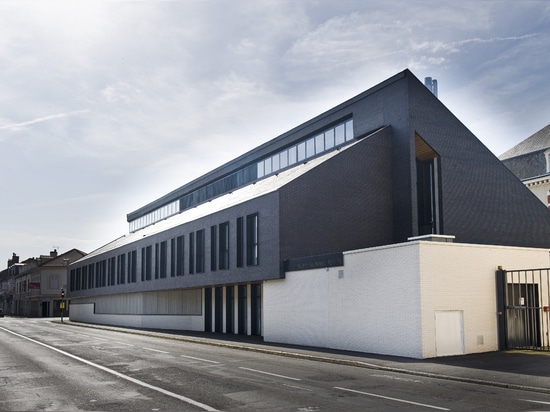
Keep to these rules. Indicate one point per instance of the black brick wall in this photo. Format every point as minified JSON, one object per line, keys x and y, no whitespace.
{"x":343,"y":204}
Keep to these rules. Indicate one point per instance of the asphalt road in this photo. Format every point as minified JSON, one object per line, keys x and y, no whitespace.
{"x":51,"y":366}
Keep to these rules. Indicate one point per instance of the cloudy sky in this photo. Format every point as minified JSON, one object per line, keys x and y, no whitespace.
{"x":108,"y":105}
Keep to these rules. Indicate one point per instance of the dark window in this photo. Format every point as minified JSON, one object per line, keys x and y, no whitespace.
{"x":256,"y":309}
{"x":121,"y":269}
{"x":213,"y":248}
{"x":229,"y":309}
{"x":100,"y":274}
{"x":200,"y":251}
{"x":218,"y":309}
{"x":161,"y":256}
{"x":240,"y":239}
{"x":191,"y":253}
{"x":91,"y":276}
{"x":252,"y":253}
{"x":224,"y":245}
{"x":146,"y":262}
{"x":77,"y":278}
{"x":427,"y":197}
{"x":132,"y":269}
{"x":180,"y":243}
{"x":103,"y":273}
{"x":163,"y":259}
{"x":112,"y":270}
{"x":84,"y":277}
{"x":157,"y":261}
{"x":208,"y":309}
{"x":242,"y":310}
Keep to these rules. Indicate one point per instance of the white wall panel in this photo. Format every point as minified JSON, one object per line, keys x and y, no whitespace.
{"x":384,"y":300}
{"x":461,"y":277}
{"x":372,"y":306}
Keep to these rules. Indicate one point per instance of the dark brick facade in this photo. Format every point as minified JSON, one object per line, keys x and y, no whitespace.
{"x":365,"y":195}
{"x":343,"y":204}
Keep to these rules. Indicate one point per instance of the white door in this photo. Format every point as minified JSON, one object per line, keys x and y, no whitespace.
{"x":449,"y":333}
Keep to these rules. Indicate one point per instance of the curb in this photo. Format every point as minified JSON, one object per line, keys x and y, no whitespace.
{"x":316,"y":358}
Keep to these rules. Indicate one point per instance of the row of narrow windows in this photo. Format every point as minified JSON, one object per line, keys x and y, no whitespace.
{"x":325,"y":141}
{"x":178,"y":256}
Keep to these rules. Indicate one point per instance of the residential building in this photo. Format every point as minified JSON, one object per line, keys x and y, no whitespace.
{"x":7,"y":284}
{"x":530,"y":162}
{"x":323,"y":234}
{"x":37,"y":283}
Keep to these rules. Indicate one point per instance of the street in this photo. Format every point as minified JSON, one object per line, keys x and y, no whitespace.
{"x":46,"y":365}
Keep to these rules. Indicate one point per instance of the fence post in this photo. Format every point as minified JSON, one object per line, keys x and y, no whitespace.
{"x":501,"y":308}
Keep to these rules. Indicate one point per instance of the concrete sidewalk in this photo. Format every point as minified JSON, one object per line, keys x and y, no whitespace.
{"x":525,"y":370}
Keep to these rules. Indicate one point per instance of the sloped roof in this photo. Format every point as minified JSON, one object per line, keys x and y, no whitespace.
{"x":534,"y":143}
{"x":238,"y":196}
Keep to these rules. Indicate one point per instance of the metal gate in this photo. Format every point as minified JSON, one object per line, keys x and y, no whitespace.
{"x":523,"y":300}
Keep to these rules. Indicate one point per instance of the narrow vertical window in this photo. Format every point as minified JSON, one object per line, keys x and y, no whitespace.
{"x":349,"y":130}
{"x":301,"y":151}
{"x":157,"y":260}
{"x":132,"y":266}
{"x":310,"y":147}
{"x":73,"y":282}
{"x":98,"y":275}
{"x":173,"y":257}
{"x":180,"y":243}
{"x":319,"y":143}
{"x":213,"y":248}
{"x":163,"y":264}
{"x":240,"y":239}
{"x":191,"y":253}
{"x":121,"y":269}
{"x":103,"y":272}
{"x":112,"y":271}
{"x":224,"y":245}
{"x":143,"y":264}
{"x":340,"y":134}
{"x":276,"y":162}
{"x":84,"y":277}
{"x":252,"y":253}
{"x":329,"y":139}
{"x":78,"y":277}
{"x":146,"y":263}
{"x":292,"y":156}
{"x":91,"y":276}
{"x":200,"y":245}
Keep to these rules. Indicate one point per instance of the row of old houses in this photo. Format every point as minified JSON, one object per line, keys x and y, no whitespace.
{"x":32,"y":287}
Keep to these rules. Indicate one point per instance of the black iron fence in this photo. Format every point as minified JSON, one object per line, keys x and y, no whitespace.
{"x":523,"y":300}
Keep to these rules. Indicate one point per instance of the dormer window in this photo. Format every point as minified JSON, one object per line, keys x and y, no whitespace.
{"x":547,"y":158}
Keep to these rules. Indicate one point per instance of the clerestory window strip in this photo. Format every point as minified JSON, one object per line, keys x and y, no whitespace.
{"x":322,"y":142}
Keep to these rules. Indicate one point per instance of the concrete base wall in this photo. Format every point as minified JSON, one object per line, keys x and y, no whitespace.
{"x":85,"y":313}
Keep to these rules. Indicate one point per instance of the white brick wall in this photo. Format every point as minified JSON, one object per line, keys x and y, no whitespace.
{"x":462,"y":277}
{"x":373,"y":308}
{"x":387,"y":298}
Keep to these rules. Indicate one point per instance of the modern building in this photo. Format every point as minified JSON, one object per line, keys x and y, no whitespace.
{"x":37,"y":283}
{"x":530,"y":161}
{"x":334,"y":234}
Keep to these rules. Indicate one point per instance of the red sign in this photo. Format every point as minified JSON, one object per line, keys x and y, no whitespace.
{"x":34,"y":285}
